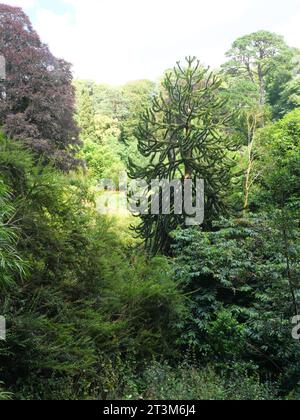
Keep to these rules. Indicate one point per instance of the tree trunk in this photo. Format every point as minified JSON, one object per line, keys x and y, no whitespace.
{"x":251,"y":133}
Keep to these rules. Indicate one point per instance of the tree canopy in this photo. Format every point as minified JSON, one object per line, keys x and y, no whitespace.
{"x":37,"y":97}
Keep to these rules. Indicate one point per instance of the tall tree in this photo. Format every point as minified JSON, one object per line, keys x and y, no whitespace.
{"x":280,"y":86}
{"x":279,"y":149}
{"x":137,"y":95}
{"x":37,"y":97}
{"x":259,"y":66}
{"x":183,"y":135}
{"x":110,"y":101}
{"x":250,"y":115}
{"x":254,"y":56}
{"x":85,"y":113}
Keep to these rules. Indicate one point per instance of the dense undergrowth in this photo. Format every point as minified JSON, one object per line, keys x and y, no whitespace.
{"x":72,"y":293}
{"x":90,"y":316}
{"x":98,"y":306}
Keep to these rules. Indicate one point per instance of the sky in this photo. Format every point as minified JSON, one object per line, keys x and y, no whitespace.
{"x":116,"y":41}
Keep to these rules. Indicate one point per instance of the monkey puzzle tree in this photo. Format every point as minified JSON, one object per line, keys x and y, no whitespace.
{"x":36,"y":98}
{"x":184,"y":135}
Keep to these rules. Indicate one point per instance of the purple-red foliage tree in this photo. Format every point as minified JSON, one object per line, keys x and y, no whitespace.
{"x":37,"y":98}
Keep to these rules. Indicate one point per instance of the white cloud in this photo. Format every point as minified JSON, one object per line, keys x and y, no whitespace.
{"x":118,"y":40}
{"x":290,"y":29}
{"x":58,"y":31}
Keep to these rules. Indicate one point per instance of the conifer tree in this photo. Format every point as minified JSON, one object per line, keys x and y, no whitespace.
{"x":184,"y":135}
{"x":85,"y":111}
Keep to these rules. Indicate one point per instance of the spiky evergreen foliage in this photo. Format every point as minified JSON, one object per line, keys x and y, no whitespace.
{"x":184,"y":135}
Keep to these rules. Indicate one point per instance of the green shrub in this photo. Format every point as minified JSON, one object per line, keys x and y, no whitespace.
{"x":85,"y":299}
{"x":241,"y":286}
{"x":160,"y":381}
